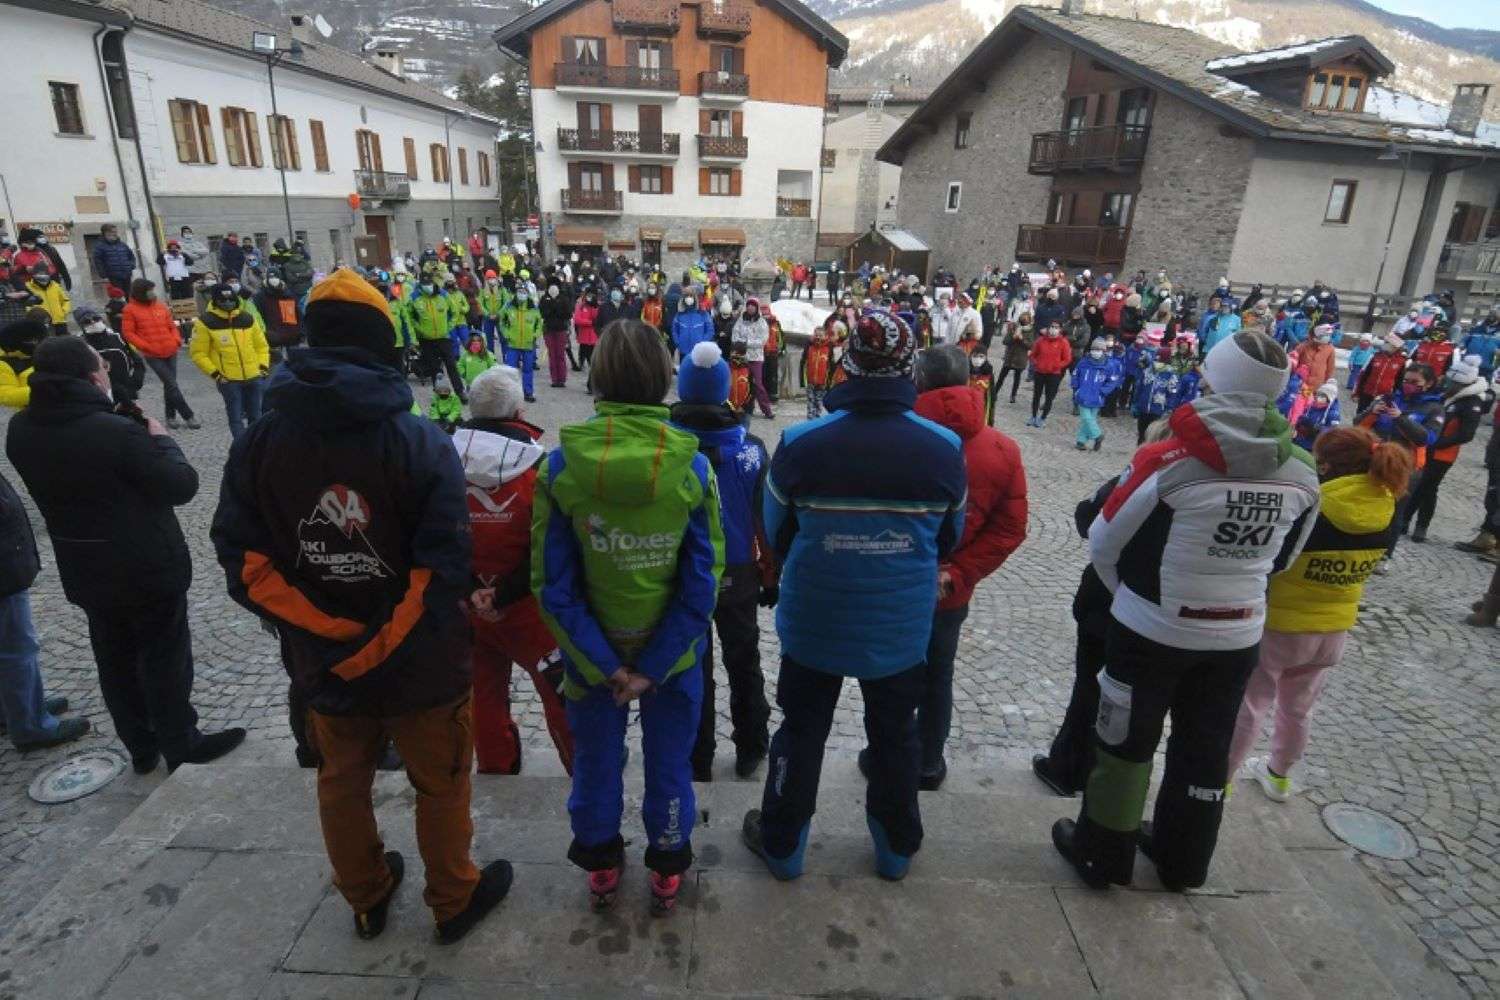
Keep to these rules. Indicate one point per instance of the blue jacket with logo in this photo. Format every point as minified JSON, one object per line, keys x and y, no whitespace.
{"x":691,"y":327}
{"x":740,"y":462}
{"x":860,"y":507}
{"x":1485,"y":342}
{"x":1093,"y":380}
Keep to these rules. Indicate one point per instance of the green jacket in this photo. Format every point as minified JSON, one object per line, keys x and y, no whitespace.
{"x":493,"y":300}
{"x":429,"y":317}
{"x":627,"y":548}
{"x":458,"y":309}
{"x":521,"y":327}
{"x":471,"y":366}
{"x":447,"y":409}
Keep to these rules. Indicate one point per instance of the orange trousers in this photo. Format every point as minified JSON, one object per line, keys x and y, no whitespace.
{"x":437,"y":746}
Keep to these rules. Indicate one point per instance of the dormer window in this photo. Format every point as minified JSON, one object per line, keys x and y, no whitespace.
{"x":1328,"y":91}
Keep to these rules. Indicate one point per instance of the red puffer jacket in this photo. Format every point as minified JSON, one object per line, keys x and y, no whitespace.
{"x":150,"y":329}
{"x":1050,"y":355}
{"x":995,"y":517}
{"x":1381,"y":374}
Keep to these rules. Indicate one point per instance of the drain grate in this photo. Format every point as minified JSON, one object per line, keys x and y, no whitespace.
{"x":1369,"y":832}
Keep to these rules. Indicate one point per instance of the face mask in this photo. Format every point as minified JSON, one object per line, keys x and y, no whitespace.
{"x":616,"y":297}
{"x":476,"y":348}
{"x":1119,"y":297}
{"x":41,"y":241}
{"x":43,"y":279}
{"x":976,"y":361}
{"x":687,"y":303}
{"x":725,"y":308}
{"x":553,"y":291}
{"x":751,"y":314}
{"x":98,"y":326}
{"x":235,"y":285}
{"x":1096,"y":355}
{"x":1051,"y":332}
{"x":651,"y":290}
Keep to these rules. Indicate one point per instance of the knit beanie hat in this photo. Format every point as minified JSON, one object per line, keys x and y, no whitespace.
{"x":1394,"y":341}
{"x":1229,"y":368}
{"x":1464,"y":371}
{"x":1329,"y":390}
{"x":703,"y":376}
{"x":496,"y":393}
{"x":880,"y":346}
{"x":345,"y":310}
{"x":440,"y":384}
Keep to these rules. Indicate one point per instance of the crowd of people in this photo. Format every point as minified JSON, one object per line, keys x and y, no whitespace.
{"x":407,"y":561}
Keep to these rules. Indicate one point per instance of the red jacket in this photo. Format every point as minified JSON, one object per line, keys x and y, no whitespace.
{"x":150,"y":329}
{"x":799,"y":274}
{"x":1051,"y":355}
{"x":1380,"y":376}
{"x":1436,"y":353}
{"x":995,"y":518}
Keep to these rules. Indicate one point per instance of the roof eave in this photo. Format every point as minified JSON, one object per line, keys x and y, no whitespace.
{"x":1433,"y":149}
{"x":77,"y":10}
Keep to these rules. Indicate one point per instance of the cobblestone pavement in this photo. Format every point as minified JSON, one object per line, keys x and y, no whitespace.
{"x":1407,"y":726}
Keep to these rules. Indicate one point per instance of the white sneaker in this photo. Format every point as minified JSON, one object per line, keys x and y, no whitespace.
{"x":1276,"y":789}
{"x":1382,"y":567}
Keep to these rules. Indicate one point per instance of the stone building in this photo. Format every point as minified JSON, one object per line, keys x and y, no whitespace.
{"x":667,"y":129}
{"x":1122,"y":145}
{"x":860,"y":192}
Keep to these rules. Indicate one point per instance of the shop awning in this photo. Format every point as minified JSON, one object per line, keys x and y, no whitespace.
{"x":579,"y":236}
{"x":653,"y":233}
{"x":721,"y":237}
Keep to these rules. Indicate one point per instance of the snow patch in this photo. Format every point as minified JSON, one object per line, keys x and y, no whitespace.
{"x":987,"y":12}
{"x":1271,"y":55}
{"x":798,"y":316}
{"x":1241,"y":32}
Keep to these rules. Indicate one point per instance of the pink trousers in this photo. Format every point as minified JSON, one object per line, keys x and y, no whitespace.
{"x":1290,"y":675}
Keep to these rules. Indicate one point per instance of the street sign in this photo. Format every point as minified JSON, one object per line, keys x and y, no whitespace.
{"x":56,"y":232}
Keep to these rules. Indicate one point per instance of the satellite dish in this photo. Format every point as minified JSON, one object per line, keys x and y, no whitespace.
{"x":324,"y":28}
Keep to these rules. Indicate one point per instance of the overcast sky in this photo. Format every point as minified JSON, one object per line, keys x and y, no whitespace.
{"x":1448,"y":13}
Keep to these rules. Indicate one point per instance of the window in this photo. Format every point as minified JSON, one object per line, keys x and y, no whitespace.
{"x":649,"y":56}
{"x":590,"y":117}
{"x":192,"y":132}
{"x":715,"y":181}
{"x":591,"y":177}
{"x":718,"y":181}
{"x":367,"y":148}
{"x":262,"y":242}
{"x":1492,"y":231}
{"x":410,"y":148}
{"x":320,"y":146}
{"x":336,"y":240}
{"x":1351,"y":94}
{"x":955,"y":195}
{"x":1059,"y":208}
{"x":1340,"y":202}
{"x":65,"y":108}
{"x":719,"y":123}
{"x":1135,"y":107}
{"x":588,"y":51}
{"x":1115,"y":209}
{"x":1076,"y":116}
{"x":284,"y":152}
{"x":484,"y":170}
{"x":726,"y":59}
{"x":439,"y":154}
{"x":113,"y":50}
{"x":961,"y":130}
{"x":463,"y":166}
{"x":1317,"y":90}
{"x":651,"y":179}
{"x":241,"y":137}
{"x":1336,"y":91}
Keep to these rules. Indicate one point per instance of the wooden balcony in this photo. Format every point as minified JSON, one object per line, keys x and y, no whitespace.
{"x":581,"y":202}
{"x":723,"y":147}
{"x":651,"y":16}
{"x":383,"y":185}
{"x":793,"y":208}
{"x":1112,"y":147}
{"x":1073,"y":245}
{"x":722,"y":17}
{"x":576,"y":76}
{"x":718,"y":85}
{"x":572,"y":140}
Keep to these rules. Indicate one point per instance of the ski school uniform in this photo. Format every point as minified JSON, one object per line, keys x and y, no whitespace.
{"x":1314,"y":421}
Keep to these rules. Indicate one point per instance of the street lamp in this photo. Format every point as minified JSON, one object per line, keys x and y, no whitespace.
{"x":264,"y":43}
{"x":448,"y":120}
{"x":1388,"y":155}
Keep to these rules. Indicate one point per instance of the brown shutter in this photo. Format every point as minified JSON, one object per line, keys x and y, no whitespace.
{"x":703,"y":180}
{"x":703,"y":120}
{"x":739,"y":60}
{"x":632,"y":48}
{"x":734,"y":183}
{"x":375,"y":152}
{"x":607,"y":117}
{"x":569,"y":52}
{"x":603,"y":52}
{"x":634,"y":178}
{"x":737,"y":123}
{"x":575,"y":176}
{"x":716,"y":57}
{"x":583,"y":116}
{"x":609,"y":177}
{"x":206,"y":134}
{"x":666,"y":55}
{"x":666,"y":180}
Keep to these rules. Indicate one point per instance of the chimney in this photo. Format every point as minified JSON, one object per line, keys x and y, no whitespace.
{"x":1468,"y":108}
{"x":391,"y":61}
{"x":302,"y":28}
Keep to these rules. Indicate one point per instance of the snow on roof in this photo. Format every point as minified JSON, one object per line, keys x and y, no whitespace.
{"x":903,"y":240}
{"x":1425,"y":121}
{"x":1273,"y":55}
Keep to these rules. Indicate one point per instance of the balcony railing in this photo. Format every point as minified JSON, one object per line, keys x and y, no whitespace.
{"x":793,"y":208}
{"x":572,"y":140}
{"x":712,"y":82}
{"x":1073,"y":244}
{"x":720,"y":17}
{"x":647,"y":15}
{"x":735,"y":147}
{"x":602,"y":202}
{"x":1470,"y":260}
{"x":382,"y":184}
{"x":1111,"y":147}
{"x":617,"y":77}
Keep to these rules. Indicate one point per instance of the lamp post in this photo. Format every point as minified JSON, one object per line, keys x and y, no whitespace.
{"x":448,"y":120}
{"x":264,"y":43}
{"x":1388,"y":155}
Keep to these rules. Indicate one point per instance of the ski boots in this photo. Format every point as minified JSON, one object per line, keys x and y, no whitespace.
{"x":664,"y":890}
{"x":604,"y":885}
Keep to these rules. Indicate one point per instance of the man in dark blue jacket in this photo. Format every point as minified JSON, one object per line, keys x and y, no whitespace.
{"x":343,"y":523}
{"x":113,"y":260}
{"x":860,"y":506}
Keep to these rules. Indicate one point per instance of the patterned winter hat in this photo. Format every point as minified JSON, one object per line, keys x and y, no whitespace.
{"x":880,"y":346}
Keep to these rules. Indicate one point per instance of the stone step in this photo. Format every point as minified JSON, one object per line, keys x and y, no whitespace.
{"x":218,"y":886}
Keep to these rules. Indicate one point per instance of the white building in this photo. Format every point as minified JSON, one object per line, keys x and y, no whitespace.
{"x":671,"y":128}
{"x":859,"y":192}
{"x":162,"y":117}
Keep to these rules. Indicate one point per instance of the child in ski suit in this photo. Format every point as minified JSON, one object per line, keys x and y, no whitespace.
{"x":521,"y":326}
{"x":446,"y":409}
{"x":741,"y":386}
{"x":500,"y":458}
{"x":493,"y":298}
{"x":1358,"y":358}
{"x":740,"y":462}
{"x":1321,"y":414}
{"x":982,"y":377}
{"x":818,"y":363}
{"x":627,"y":553}
{"x":1094,"y":378}
{"x":475,"y":360}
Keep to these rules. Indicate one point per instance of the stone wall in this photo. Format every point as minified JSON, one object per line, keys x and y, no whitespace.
{"x":765,"y":239}
{"x":1024,"y":95}
{"x":1192,"y":191}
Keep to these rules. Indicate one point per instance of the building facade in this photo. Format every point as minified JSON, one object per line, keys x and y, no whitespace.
{"x":1122,"y":145}
{"x":666,"y":130}
{"x":860,"y":192}
{"x":162,"y":117}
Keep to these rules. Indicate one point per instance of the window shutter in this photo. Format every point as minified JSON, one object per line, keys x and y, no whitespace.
{"x":737,"y":123}
{"x":206,"y":134}
{"x":634,"y":178}
{"x":666,"y":55}
{"x":703,"y":180}
{"x":734,"y":183}
{"x":409,"y":147}
{"x":575,"y":176}
{"x":603,"y":52}
{"x":739,"y":60}
{"x":703,"y":120}
{"x":609,"y":176}
{"x":375,"y":152}
{"x":632,"y":49}
{"x":252,"y":138}
{"x":569,"y":50}
{"x":607,"y":117}
{"x":666,"y":180}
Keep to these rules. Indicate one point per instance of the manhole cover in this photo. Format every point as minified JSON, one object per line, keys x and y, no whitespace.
{"x":75,"y":778}
{"x":1369,"y":832}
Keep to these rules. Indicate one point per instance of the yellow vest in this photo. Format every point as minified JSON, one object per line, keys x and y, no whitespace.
{"x":1320,"y":591}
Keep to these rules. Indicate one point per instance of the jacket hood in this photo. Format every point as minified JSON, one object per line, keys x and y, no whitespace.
{"x":957,"y":407}
{"x":627,"y":454}
{"x":336,"y":387}
{"x":1478,"y":387}
{"x":60,"y":399}
{"x":491,"y":459}
{"x":715,"y":426}
{"x":1357,"y":504}
{"x":1236,"y":434}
